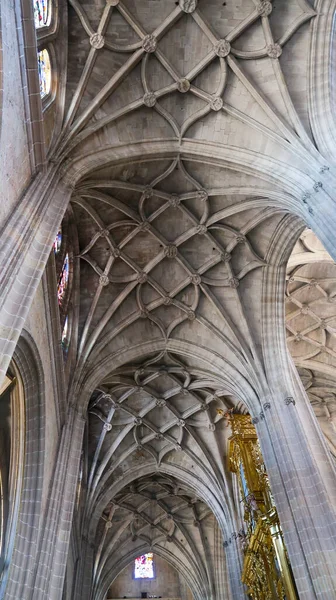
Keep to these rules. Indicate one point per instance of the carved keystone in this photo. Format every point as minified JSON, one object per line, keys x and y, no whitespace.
{"x":174,"y":200}
{"x":149,"y":43}
{"x":234,"y":282}
{"x":188,"y":6}
{"x":141,"y":277}
{"x":216,"y":104}
{"x":149,"y":99}
{"x":222,"y":48}
{"x":97,"y":41}
{"x":264,"y":8}
{"x":274,"y":50}
{"x":202,"y":195}
{"x":104,"y":280}
{"x":195,"y":279}
{"x":148,"y":192}
{"x":183,"y":85}
{"x":170,"y":251}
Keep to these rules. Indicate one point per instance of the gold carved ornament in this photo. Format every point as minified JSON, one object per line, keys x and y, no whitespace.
{"x":266,"y":569}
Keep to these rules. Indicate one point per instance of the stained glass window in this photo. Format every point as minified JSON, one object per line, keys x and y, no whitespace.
{"x":57,"y":242}
{"x":144,"y":566}
{"x":44,"y":71}
{"x":41,"y":13}
{"x":65,"y":336}
{"x":63,"y":280}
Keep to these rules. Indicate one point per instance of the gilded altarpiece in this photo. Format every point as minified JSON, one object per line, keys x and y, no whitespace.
{"x":266,"y":569}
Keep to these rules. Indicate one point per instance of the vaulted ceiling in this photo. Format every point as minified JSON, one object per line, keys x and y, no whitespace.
{"x":185,"y":72}
{"x":311,"y":327}
{"x":178,"y":126}
{"x":167,"y":269}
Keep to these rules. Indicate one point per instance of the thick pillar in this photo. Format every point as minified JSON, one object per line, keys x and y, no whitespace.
{"x":26,"y":241}
{"x":234,"y":567}
{"x":302,"y":480}
{"x":54,"y":544}
{"x":300,"y":467}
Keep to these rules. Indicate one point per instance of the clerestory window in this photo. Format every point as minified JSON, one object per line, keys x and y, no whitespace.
{"x":144,"y":566}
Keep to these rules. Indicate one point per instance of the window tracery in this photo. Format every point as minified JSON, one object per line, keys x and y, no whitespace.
{"x":44,"y":71}
{"x":64,"y":250}
{"x":144,"y":566}
{"x":63,"y":282}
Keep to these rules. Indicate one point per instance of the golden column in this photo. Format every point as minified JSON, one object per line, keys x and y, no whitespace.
{"x":266,"y":570}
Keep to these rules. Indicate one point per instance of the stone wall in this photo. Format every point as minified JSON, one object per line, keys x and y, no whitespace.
{"x":39,"y":325}
{"x":167,"y":583}
{"x":15,"y":170}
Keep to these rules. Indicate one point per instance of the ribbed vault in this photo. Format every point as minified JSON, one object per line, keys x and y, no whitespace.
{"x":156,"y":442}
{"x":159,"y":513}
{"x":128,"y":61}
{"x":171,"y":267}
{"x":189,"y":149}
{"x":170,"y":256}
{"x":311,"y":326}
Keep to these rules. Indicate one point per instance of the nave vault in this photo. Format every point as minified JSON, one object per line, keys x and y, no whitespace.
{"x":182,"y":153}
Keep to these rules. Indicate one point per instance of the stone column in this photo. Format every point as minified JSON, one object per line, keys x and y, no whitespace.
{"x":26,"y":242}
{"x":234,"y":567}
{"x":302,"y":477}
{"x":54,"y":545}
{"x":299,"y":465}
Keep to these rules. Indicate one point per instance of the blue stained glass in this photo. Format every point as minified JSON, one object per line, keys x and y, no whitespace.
{"x":243,"y":481}
{"x":57,"y":242}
